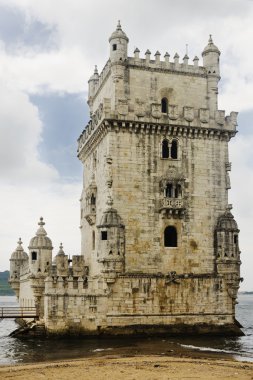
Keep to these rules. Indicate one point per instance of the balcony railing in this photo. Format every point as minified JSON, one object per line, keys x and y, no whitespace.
{"x":173,"y":203}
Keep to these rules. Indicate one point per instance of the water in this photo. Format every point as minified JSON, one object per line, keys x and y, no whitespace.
{"x":13,"y":350}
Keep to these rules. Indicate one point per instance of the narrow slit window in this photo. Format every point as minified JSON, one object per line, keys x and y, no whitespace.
{"x":114,"y":47}
{"x":164,"y":105}
{"x":165,"y":149}
{"x":93,"y":200}
{"x":170,"y":236}
{"x":93,"y":240}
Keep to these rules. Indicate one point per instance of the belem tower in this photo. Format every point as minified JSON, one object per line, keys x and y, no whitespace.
{"x":159,"y":244}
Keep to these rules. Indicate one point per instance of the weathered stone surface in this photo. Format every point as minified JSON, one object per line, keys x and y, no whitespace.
{"x":159,"y":246}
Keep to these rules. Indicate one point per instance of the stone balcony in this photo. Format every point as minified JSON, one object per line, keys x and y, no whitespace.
{"x":90,"y":214}
{"x":172,"y":207}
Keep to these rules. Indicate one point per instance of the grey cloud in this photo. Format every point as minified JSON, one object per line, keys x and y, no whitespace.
{"x":17,"y":30}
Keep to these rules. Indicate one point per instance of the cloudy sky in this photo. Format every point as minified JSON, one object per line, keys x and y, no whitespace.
{"x":48,"y":49}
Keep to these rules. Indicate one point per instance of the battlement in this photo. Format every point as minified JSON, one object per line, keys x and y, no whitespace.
{"x":135,"y":62}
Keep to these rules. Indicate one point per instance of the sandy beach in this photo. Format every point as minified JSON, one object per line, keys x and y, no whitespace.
{"x":140,"y":367}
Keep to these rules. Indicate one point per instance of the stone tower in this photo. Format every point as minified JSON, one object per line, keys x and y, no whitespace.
{"x":159,"y":249}
{"x":155,"y":157}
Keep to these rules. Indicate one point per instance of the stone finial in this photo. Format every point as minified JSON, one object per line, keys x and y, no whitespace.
{"x":19,"y":247}
{"x":41,"y":223}
{"x":210,"y":41}
{"x":41,"y":231}
{"x":60,"y":252}
{"x":185,"y":59}
{"x":196,"y":61}
{"x":176,"y":58}
{"x":136,"y":53}
{"x":118,"y":26}
{"x":167,"y":57}
{"x":95,"y":75}
{"x":157,"y":56}
{"x":147,"y":54}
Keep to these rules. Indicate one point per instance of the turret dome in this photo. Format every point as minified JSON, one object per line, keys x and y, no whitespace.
{"x":118,"y":33}
{"x":227,"y":222}
{"x":111,"y":218}
{"x":41,"y":240}
{"x":19,"y":253}
{"x":210,"y":47}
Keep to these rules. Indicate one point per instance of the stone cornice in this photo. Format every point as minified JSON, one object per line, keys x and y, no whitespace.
{"x":88,"y":141}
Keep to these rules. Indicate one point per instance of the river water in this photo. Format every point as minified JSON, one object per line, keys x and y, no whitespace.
{"x":13,"y":350}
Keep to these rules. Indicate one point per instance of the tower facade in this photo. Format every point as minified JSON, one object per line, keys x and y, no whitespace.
{"x":159,"y":244}
{"x":155,"y":155}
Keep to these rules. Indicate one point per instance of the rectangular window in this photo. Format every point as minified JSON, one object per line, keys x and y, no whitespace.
{"x":114,"y":47}
{"x":103,"y":235}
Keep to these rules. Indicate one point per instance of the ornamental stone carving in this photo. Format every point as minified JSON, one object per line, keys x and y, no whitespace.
{"x":189,"y":113}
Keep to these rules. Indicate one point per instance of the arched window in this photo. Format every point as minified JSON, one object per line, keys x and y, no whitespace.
{"x":178,"y":191}
{"x":34,"y":255}
{"x":164,"y":105}
{"x":165,"y":149}
{"x":174,"y":149}
{"x":169,"y":188}
{"x":170,"y":237}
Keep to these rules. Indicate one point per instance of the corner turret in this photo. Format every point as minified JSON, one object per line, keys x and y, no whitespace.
{"x":92,"y":82}
{"x":17,"y":260}
{"x":118,"y":45}
{"x":211,"y":63}
{"x":40,"y":251}
{"x":211,"y":56}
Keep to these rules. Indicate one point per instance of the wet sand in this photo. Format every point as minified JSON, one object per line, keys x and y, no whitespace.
{"x":147,"y":367}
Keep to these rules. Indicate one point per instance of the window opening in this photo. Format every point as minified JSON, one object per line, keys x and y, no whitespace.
{"x":114,"y":47}
{"x":170,"y":237}
{"x":164,"y":105}
{"x":178,"y":191}
{"x":235,"y":239}
{"x":93,"y":199}
{"x":174,"y":149}
{"x":93,"y":240}
{"x":34,"y":255}
{"x":103,"y":235}
{"x":169,"y":189}
{"x":165,"y":149}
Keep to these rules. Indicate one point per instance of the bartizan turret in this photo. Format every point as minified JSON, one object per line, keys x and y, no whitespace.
{"x":92,"y":83}
{"x":118,"y":45}
{"x":17,"y":261}
{"x":111,"y":248}
{"x":40,"y":252}
{"x":211,"y":63}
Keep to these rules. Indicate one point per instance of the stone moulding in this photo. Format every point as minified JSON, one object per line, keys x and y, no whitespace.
{"x":85,"y":145}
